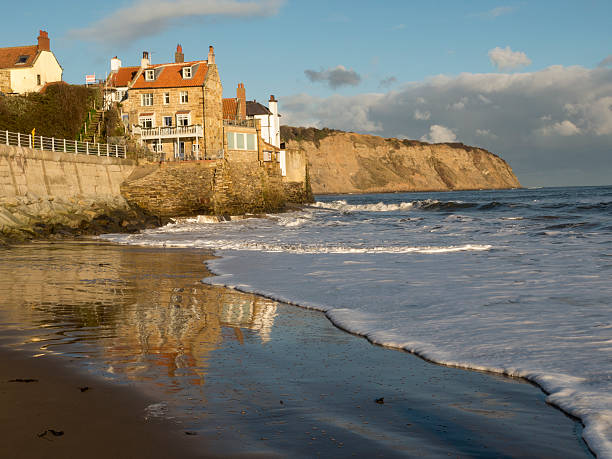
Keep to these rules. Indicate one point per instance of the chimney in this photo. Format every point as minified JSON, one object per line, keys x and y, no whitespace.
{"x":43,"y":41}
{"x":211,"y":55}
{"x":115,"y":64}
{"x":241,"y":96}
{"x":179,"y":57}
{"x":144,"y":62}
{"x":273,"y":105}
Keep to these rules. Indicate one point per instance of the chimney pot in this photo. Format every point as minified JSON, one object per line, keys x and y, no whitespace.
{"x":211,"y":55}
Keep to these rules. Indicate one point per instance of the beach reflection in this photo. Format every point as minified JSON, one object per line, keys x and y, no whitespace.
{"x":142,"y":312}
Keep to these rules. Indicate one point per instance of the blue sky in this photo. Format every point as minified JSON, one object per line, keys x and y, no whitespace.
{"x":395,"y":68}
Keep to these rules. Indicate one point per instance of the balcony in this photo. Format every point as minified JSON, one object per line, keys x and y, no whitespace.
{"x":170,"y":132}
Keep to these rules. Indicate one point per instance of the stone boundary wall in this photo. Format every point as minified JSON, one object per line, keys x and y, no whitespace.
{"x":55,"y":175}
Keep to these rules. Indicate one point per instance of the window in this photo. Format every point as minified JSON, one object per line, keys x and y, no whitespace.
{"x":187,"y":72}
{"x":146,"y":99}
{"x":251,"y":142}
{"x":184,"y":97}
{"x":146,"y":122}
{"x":239,"y":141}
{"x":166,"y":98}
{"x":120,"y":94}
{"x":149,"y":75}
{"x":38,"y":80}
{"x":158,"y":146}
{"x":267,"y":156}
{"x":182,"y":119}
{"x":22,"y":60}
{"x":195,"y":147}
{"x":167,"y":121}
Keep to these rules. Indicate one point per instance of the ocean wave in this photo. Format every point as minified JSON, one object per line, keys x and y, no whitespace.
{"x":224,"y":244}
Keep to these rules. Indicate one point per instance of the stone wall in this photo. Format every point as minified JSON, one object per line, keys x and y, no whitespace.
{"x":235,"y":185}
{"x":55,"y":175}
{"x":173,"y":189}
{"x":5,"y":81}
{"x":44,"y":193}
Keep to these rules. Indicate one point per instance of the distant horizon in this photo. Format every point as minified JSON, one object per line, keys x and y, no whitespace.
{"x":531,"y":82}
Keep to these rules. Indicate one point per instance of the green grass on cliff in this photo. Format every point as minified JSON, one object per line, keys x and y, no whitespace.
{"x":59,"y":112}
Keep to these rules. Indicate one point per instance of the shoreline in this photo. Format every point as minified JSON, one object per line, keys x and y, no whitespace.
{"x":254,"y":374}
{"x":418,"y":354}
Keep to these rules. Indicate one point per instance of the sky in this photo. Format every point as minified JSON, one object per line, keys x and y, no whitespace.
{"x":528,"y":80}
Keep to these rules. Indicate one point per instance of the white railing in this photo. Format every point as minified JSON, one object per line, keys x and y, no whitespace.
{"x":194,"y":130}
{"x":38,"y":142}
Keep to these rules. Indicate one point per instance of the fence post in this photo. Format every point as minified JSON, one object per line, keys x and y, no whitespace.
{"x":52,"y":143}
{"x":64,"y":145}
{"x":30,"y":140}
{"x":87,"y":147}
{"x":107,"y":149}
{"x":41,"y":143}
{"x":76,"y":146}
{"x":19,"y":139}
{"x":98,"y":149}
{"x":7,"y":138}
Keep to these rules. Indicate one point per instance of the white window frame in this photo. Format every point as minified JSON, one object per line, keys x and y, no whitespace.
{"x":195,"y":148}
{"x":143,"y":119}
{"x":149,"y":74}
{"x":166,"y":118}
{"x":267,"y":156}
{"x":146,"y":99}
{"x":158,"y":146}
{"x":166,"y":98}
{"x":184,"y":97}
{"x":182,"y":118}
{"x":187,"y":73}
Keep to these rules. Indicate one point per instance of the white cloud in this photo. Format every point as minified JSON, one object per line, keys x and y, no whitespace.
{"x":485,"y":133}
{"x":496,"y":12}
{"x":421,"y":115}
{"x":564,"y":128}
{"x":459,"y":105}
{"x":334,"y":77}
{"x":506,"y":59}
{"x":439,"y":134}
{"x":144,"y":18}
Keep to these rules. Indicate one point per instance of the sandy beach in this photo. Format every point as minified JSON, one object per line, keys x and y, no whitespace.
{"x":171,"y":367}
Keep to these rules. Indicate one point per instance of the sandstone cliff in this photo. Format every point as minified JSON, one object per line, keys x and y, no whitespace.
{"x":342,"y":162}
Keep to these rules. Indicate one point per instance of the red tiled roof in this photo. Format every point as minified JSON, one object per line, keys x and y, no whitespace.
{"x":123,"y":77}
{"x":10,"y":56}
{"x":230,"y":109}
{"x":170,"y":76}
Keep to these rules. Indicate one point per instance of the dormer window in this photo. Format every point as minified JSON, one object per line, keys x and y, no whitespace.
{"x":22,"y":60}
{"x":186,"y":72}
{"x":149,"y":75}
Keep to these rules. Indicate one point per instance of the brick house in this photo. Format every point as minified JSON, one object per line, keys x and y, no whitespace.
{"x":174,"y":109}
{"x":29,"y":68}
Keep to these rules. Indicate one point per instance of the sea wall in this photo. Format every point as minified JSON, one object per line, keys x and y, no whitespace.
{"x":42,"y":192}
{"x":237,"y":184}
{"x":342,"y":162}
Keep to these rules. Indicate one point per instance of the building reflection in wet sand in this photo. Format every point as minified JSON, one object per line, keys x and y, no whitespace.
{"x":142,"y":312}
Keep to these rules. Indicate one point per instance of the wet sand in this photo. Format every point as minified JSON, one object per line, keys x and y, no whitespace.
{"x":240,"y":373}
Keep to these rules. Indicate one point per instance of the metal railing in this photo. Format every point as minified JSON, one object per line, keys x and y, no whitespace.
{"x":38,"y":142}
{"x":194,"y":130}
{"x":243,"y":123}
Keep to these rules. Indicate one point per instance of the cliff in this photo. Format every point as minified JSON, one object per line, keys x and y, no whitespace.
{"x":343,"y":162}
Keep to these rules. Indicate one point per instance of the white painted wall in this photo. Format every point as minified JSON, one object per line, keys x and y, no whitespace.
{"x":24,"y":80}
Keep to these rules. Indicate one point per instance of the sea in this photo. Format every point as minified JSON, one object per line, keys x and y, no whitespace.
{"x":515,"y":281}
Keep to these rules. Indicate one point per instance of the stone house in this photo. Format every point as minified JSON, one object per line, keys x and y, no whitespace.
{"x":26,"y":69}
{"x":175,"y":109}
